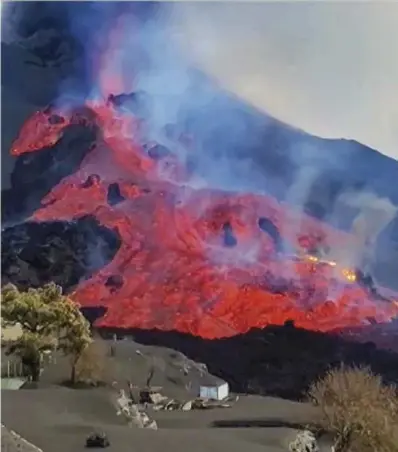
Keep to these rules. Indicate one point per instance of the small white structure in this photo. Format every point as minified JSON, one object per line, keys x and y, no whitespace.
{"x":216,"y":390}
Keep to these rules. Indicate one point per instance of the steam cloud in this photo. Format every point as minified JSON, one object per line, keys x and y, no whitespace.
{"x":126,"y":54}
{"x":374,"y":214}
{"x":330,"y":68}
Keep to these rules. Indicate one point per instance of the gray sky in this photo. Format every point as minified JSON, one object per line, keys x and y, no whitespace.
{"x":328,"y":68}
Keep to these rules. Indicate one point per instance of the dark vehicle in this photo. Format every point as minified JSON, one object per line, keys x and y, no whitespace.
{"x":97,"y":440}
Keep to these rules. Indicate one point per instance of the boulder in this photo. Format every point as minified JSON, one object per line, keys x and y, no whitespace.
{"x":305,"y":441}
{"x":187,"y":406}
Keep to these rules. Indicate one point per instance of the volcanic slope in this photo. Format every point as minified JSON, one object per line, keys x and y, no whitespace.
{"x":34,"y":254}
{"x":193,"y":260}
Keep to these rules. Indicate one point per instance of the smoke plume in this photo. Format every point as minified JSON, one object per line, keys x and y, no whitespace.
{"x":373,"y":215}
{"x":329,"y":68}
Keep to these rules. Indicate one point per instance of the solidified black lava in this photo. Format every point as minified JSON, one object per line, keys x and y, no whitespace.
{"x":114,"y":195}
{"x":114,"y":281}
{"x":367,"y":282}
{"x":36,"y":173}
{"x":91,"y":180}
{"x":56,"y":119}
{"x":229,"y":237}
{"x":137,"y":103}
{"x":158,"y":152}
{"x":93,"y":313}
{"x":34,"y":254}
{"x":269,"y":227}
{"x":279,"y":361}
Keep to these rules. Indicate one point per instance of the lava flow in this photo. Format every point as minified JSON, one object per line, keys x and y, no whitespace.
{"x":207,"y":262}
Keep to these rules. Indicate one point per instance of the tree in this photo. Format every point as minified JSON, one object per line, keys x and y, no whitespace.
{"x":48,"y":320}
{"x":92,"y":365}
{"x":359,"y":409}
{"x":75,"y":337}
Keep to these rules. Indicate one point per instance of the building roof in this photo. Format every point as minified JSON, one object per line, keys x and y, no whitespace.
{"x":211,"y":381}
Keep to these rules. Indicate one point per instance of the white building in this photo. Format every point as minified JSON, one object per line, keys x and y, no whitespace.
{"x":214,"y":389}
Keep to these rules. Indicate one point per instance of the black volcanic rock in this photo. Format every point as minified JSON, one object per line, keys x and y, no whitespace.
{"x":91,"y":180}
{"x":64,"y":252}
{"x":229,"y":237}
{"x":36,"y":173}
{"x":266,"y":225}
{"x":279,"y":361}
{"x":114,"y":195}
{"x":137,"y":103}
{"x":114,"y":282}
{"x":93,"y":313}
{"x":158,"y":152}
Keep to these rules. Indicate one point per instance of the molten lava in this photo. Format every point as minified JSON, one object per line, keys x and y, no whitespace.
{"x":195,"y":260}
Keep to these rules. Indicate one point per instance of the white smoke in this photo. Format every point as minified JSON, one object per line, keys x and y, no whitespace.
{"x":373,"y":217}
{"x":10,"y":16}
{"x":330,"y":68}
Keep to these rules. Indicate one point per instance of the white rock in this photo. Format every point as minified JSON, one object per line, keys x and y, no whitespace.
{"x":305,"y":441}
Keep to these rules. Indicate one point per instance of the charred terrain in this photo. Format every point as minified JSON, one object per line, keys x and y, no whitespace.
{"x":67,"y":415}
{"x":279,"y":361}
{"x":241,"y":280}
{"x":64,"y":252}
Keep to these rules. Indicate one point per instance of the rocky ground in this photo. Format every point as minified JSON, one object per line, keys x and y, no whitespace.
{"x":64,"y":416}
{"x":268,"y":364}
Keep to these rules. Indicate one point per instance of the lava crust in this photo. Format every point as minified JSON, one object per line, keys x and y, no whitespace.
{"x":62,"y":145}
{"x":195,"y":260}
{"x":34,"y":254}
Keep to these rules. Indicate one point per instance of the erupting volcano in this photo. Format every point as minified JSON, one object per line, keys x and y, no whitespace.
{"x":196,"y":260}
{"x":190,"y":258}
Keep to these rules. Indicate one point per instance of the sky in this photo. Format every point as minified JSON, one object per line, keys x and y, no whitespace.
{"x":329,"y":68}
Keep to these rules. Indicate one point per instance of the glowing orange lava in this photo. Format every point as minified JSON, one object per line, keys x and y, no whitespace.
{"x":177,"y":274}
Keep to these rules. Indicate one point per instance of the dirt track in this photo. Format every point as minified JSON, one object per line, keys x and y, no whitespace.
{"x":58,"y":419}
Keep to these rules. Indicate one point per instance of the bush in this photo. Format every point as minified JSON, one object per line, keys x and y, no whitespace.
{"x":91,"y":365}
{"x":358,"y":409}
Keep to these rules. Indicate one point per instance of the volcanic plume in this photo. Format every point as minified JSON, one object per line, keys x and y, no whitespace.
{"x":207,"y":262}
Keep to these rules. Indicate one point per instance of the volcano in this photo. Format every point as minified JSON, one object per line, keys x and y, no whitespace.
{"x":134,"y":223}
{"x":197,"y":260}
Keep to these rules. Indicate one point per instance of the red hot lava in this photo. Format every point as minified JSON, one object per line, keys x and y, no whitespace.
{"x":175,"y":269}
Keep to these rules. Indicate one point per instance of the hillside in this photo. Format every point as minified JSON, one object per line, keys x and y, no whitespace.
{"x":216,"y":220}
